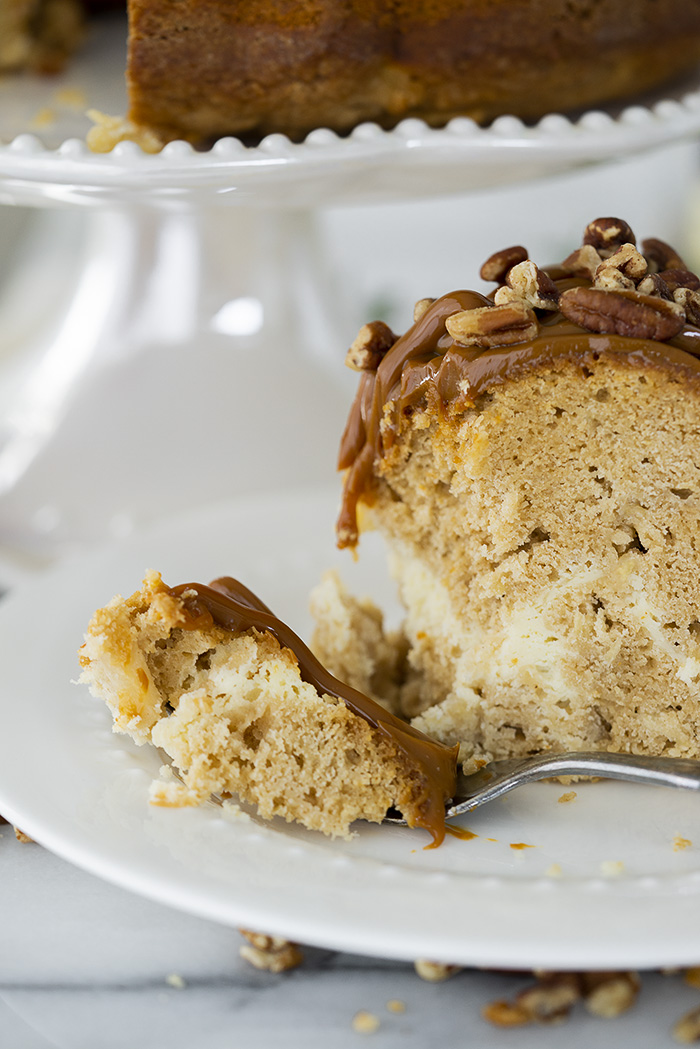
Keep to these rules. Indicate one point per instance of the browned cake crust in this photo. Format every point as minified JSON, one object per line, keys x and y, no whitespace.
{"x":533,"y":459}
{"x":199,"y":69}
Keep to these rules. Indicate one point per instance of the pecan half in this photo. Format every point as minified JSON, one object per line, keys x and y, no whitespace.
{"x":607,"y":235}
{"x":372,"y":343}
{"x":661,"y":256}
{"x":497,"y":265}
{"x":622,"y":313}
{"x":488,"y":326}
{"x":583,"y":262}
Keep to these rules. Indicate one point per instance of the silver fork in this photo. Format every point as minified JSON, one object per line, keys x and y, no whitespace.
{"x":499,"y":777}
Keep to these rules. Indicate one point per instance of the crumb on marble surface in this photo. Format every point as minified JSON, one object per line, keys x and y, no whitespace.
{"x":680,"y":843}
{"x":364,"y":1022}
{"x":612,"y":868}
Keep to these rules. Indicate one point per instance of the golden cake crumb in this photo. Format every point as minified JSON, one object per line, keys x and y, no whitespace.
{"x":567,"y":797}
{"x":394,"y":1005}
{"x":680,"y":843}
{"x":108,"y":131}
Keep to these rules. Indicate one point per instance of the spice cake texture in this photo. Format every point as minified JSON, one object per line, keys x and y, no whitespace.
{"x":532,"y":458}
{"x":240,"y":706}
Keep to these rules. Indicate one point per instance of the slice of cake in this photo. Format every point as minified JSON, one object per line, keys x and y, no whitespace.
{"x":241,"y":706}
{"x":533,"y":459}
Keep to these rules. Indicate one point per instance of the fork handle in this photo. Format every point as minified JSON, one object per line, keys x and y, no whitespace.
{"x":506,"y":775}
{"x":670,"y":772}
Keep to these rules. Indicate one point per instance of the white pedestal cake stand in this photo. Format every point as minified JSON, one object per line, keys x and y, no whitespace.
{"x":197,"y":351}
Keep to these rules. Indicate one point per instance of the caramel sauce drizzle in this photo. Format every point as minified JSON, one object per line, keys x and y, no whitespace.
{"x":426,"y":367}
{"x":234,"y":607}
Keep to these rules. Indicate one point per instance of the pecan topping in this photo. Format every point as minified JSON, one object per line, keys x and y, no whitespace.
{"x":497,"y":265}
{"x":607,"y":235}
{"x":583,"y":262}
{"x":532,"y":284}
{"x":488,"y":326}
{"x":372,"y":343}
{"x":622,"y":313}
{"x":689,"y":300}
{"x":654,"y":284}
{"x":610,"y":279}
{"x":627,"y":260}
{"x":680,"y":278}
{"x":420,"y":307}
{"x":661,"y":256}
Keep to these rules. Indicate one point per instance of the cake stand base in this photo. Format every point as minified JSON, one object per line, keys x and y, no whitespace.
{"x":198,"y":355}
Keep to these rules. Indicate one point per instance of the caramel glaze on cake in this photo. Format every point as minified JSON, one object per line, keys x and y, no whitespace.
{"x":200,"y":69}
{"x":241,"y":706}
{"x":533,"y":459}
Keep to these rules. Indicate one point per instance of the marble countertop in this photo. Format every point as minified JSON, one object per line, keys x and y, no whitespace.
{"x":87,"y":965}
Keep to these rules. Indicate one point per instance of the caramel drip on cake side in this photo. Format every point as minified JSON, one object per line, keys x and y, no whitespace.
{"x":426,"y":366}
{"x":234,"y":607}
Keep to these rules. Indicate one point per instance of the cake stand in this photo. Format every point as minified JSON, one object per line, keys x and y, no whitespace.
{"x":195,"y":350}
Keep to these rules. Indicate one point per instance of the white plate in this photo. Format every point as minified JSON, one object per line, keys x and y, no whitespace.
{"x":82,"y":792}
{"x":44,"y":158}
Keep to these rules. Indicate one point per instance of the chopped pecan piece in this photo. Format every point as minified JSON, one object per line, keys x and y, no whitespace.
{"x":506,"y":1014}
{"x":434,"y":972}
{"x":369,"y":348}
{"x":498,"y":265}
{"x":551,"y":998}
{"x":622,"y":313}
{"x":533,"y":285}
{"x":270,"y":953}
{"x":609,"y":994}
{"x":689,"y":300}
{"x":610,"y":279}
{"x":420,"y":307}
{"x":488,"y":326}
{"x":687,"y":1029}
{"x":661,"y":256}
{"x":654,"y":284}
{"x":583,"y":262}
{"x":607,"y":235}
{"x":627,"y":260}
